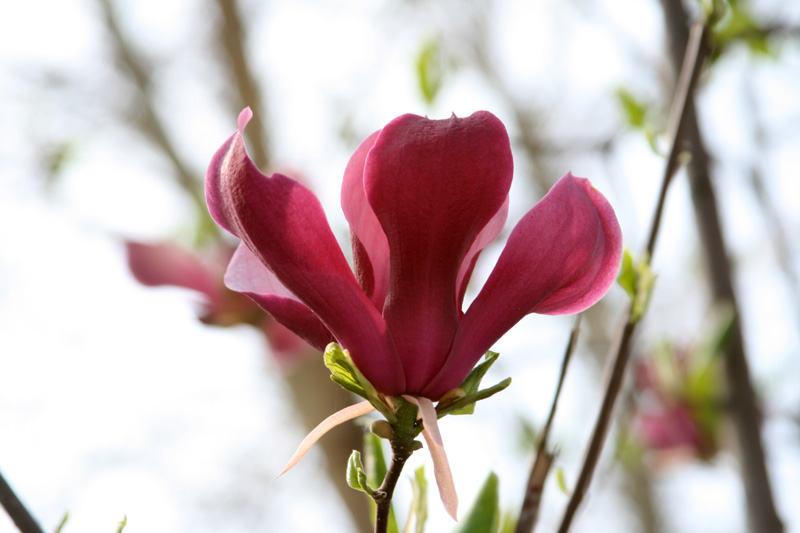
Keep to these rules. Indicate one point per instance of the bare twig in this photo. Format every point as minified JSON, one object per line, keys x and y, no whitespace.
{"x":231,"y":37}
{"x":695,"y":53}
{"x":19,"y":514}
{"x":529,"y":512}
{"x":762,"y":514}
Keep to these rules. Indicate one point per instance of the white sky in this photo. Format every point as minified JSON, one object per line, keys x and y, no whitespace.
{"x":115,"y":401}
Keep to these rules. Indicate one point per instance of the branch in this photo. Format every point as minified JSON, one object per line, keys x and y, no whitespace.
{"x":20,"y":515}
{"x":696,"y":51}
{"x":762,"y":514}
{"x":529,"y":513}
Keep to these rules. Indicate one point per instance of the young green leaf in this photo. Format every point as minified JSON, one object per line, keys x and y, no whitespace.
{"x":561,"y":480}
{"x":484,"y":516}
{"x":342,"y":370}
{"x":418,"y":512}
{"x":356,"y":477}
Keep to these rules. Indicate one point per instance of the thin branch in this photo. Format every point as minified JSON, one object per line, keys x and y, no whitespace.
{"x":19,"y":514}
{"x":744,"y":410}
{"x":696,"y":51}
{"x":150,"y":124}
{"x":231,"y":37}
{"x":529,"y":512}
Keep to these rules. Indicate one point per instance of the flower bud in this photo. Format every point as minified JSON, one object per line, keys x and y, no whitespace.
{"x":382,"y":429}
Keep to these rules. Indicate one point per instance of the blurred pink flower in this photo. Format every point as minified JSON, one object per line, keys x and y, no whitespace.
{"x":423,"y":198}
{"x":167,"y":264}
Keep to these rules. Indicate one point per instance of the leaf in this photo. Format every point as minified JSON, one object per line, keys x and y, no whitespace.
{"x":460,"y":406}
{"x":637,"y":279}
{"x":122,"y":524}
{"x":418,"y":512}
{"x":342,"y":369}
{"x":562,"y":482}
{"x":484,"y":516}
{"x":430,"y":72}
{"x":356,"y":477}
{"x":634,"y":110}
{"x":63,"y":522}
{"x":473,"y":381}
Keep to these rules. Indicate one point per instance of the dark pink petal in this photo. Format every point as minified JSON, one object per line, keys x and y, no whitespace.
{"x":433,"y":185}
{"x":167,"y":264}
{"x":561,"y":258}
{"x":248,"y":275}
{"x":284,"y":225}
{"x":370,"y":247}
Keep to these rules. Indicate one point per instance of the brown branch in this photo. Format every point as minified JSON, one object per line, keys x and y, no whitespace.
{"x":762,"y":514}
{"x":231,"y":37}
{"x":529,"y":513}
{"x":19,"y":514}
{"x":149,"y":123}
{"x":695,"y":53}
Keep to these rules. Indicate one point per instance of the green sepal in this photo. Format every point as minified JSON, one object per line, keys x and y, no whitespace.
{"x":466,"y":405}
{"x":356,"y":477}
{"x":471,"y":384}
{"x":637,"y":279}
{"x":418,"y":513}
{"x":343,"y":371}
{"x":484,"y":516}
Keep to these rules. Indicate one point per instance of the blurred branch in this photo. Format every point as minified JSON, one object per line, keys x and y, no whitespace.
{"x":762,"y":514}
{"x":543,"y":460}
{"x":231,"y":37}
{"x":696,"y":51}
{"x":20,"y":515}
{"x":149,"y":122}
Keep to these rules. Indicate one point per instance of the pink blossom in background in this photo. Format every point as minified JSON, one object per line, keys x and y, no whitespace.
{"x":167,"y":264}
{"x":423,"y":198}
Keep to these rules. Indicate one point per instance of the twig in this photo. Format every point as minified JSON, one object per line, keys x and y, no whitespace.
{"x":529,"y":512}
{"x":695,"y":53}
{"x":150,"y":124}
{"x":744,"y":410}
{"x":20,"y":515}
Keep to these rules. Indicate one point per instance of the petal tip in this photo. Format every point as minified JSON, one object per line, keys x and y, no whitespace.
{"x":244,"y":118}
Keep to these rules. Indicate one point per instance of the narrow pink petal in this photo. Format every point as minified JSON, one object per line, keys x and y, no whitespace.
{"x":433,"y":185}
{"x":560,"y":258}
{"x":246,"y":274}
{"x":283,"y":224}
{"x":348,"y":413}
{"x":370,"y":247}
{"x":441,"y":466}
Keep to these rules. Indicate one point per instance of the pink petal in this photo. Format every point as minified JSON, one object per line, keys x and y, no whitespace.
{"x":284,"y":225}
{"x":248,"y":275}
{"x":348,"y":413}
{"x":370,"y":247}
{"x":441,"y":466}
{"x":433,"y":185}
{"x":167,"y":264}
{"x":561,"y":258}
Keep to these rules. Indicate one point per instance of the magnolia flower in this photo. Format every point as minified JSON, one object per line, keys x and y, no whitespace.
{"x":423,"y":198}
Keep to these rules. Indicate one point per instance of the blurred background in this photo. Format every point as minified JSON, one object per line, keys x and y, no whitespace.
{"x":133,"y":384}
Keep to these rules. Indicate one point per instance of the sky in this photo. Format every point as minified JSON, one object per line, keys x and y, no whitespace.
{"x":115,"y":401}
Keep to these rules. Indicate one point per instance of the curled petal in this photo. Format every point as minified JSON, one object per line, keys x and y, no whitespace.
{"x":561,"y":258}
{"x":246,"y":274}
{"x":370,"y":247}
{"x":433,"y":185}
{"x":167,"y":264}
{"x":284,"y":225}
{"x":441,"y":466}
{"x":348,"y":413}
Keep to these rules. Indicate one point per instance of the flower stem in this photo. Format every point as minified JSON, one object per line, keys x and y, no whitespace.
{"x":383,"y":496}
